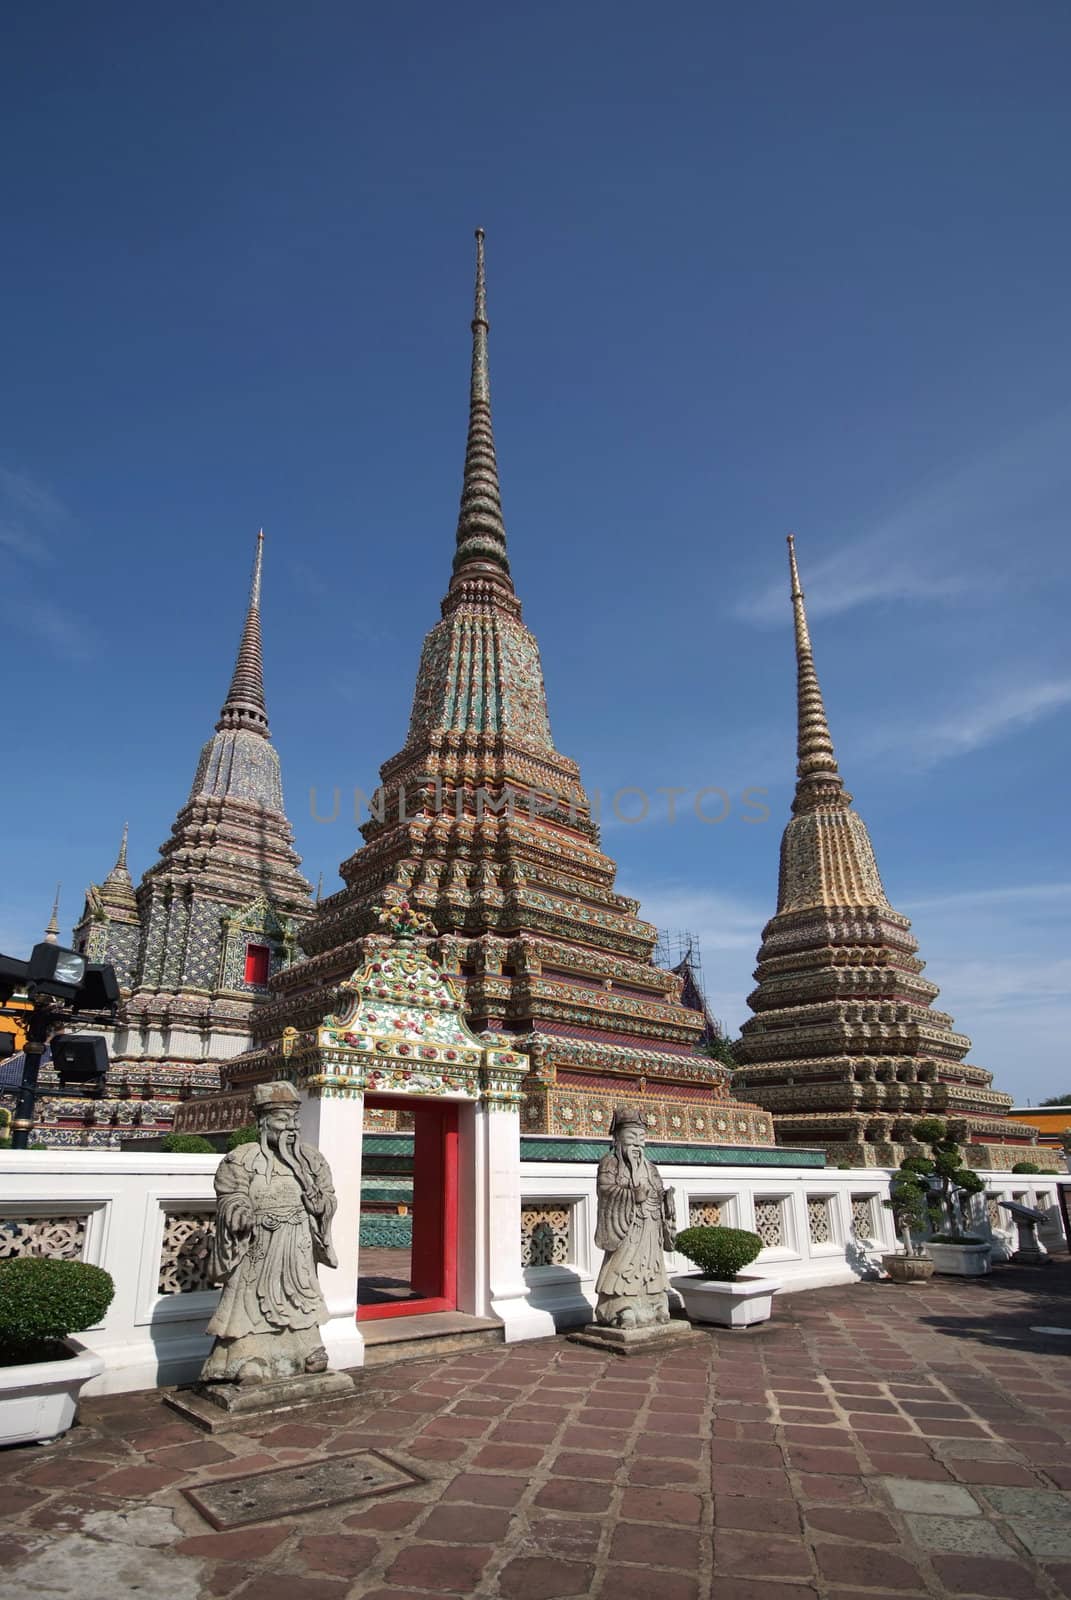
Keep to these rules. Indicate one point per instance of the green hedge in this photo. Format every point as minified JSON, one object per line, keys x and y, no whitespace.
{"x":248,"y":1133}
{"x":43,"y":1299}
{"x":719,"y":1253}
{"x":187,"y":1144}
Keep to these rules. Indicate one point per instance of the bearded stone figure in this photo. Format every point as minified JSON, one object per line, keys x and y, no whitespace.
{"x":273,"y":1225}
{"x":634,"y":1228}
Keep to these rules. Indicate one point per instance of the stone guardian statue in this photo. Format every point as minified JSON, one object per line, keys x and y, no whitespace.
{"x":634,"y":1228}
{"x":273,"y":1226}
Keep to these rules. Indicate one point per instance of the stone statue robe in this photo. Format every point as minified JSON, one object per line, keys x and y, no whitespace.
{"x":270,"y":1311}
{"x":633,"y":1228}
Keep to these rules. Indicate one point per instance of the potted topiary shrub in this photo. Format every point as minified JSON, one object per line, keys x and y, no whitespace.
{"x":42,"y":1369}
{"x":952,"y":1248}
{"x":908,"y":1195}
{"x":715,"y":1293}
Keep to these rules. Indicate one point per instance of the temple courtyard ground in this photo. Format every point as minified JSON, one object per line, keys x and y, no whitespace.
{"x":869,"y":1441}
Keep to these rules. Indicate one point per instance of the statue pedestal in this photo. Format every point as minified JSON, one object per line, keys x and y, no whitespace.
{"x":219,"y":1407}
{"x":634,"y":1341}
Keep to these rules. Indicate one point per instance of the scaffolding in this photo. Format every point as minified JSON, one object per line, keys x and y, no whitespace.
{"x":678,"y":950}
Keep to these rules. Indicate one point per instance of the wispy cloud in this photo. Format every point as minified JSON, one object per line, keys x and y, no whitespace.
{"x":34,"y":499}
{"x":67,"y":634}
{"x":999,"y":955}
{"x":30,"y":513}
{"x":984,"y":899}
{"x":21,"y":542}
{"x":33,"y":520}
{"x":935,"y":546}
{"x":997,"y":714}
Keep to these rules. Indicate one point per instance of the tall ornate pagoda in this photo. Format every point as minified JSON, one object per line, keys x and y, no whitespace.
{"x":844,"y":1047}
{"x":483,"y":826}
{"x":196,"y":944}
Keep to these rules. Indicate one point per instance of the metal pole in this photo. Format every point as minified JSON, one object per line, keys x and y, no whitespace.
{"x":37,"y":1032}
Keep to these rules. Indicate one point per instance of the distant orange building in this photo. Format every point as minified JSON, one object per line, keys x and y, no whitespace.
{"x":12,"y":1037}
{"x":1052,"y":1122}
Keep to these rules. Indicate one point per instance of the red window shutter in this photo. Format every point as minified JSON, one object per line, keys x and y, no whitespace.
{"x":257,"y":957}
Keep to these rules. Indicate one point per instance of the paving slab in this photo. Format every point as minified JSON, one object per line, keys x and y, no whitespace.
{"x":931,"y":1499}
{"x":976,"y":1450}
{"x":1034,"y":1505}
{"x":967,"y":1534}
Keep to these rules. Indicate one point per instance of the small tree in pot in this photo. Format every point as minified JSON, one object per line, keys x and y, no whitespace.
{"x":950,"y":1183}
{"x":42,"y":1302}
{"x":716,"y":1293}
{"x":909,"y":1196}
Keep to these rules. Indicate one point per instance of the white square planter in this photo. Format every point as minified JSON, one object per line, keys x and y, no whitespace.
{"x":736,"y":1303}
{"x":967,"y":1260}
{"x":38,"y":1401}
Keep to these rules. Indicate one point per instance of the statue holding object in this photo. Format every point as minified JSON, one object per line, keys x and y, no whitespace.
{"x":634,"y":1228}
{"x":273,"y":1227}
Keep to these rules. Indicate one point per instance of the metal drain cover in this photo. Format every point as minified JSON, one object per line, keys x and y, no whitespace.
{"x":306,"y":1486}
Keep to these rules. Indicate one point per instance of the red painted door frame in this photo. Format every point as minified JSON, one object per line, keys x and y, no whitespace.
{"x":435,"y":1181}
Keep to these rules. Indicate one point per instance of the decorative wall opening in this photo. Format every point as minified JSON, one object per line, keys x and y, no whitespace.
{"x":62,"y":1237}
{"x":705,"y":1213}
{"x":546,"y":1233}
{"x":820,"y":1218}
{"x":186,"y":1252}
{"x":770,"y":1221}
{"x":864,"y":1217}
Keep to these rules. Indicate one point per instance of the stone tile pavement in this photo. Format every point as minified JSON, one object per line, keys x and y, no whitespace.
{"x":869,"y":1442}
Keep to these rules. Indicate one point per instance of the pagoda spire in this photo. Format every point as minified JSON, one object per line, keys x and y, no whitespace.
{"x":244,"y":706}
{"x":118,"y":887}
{"x":818,"y":779}
{"x":52,"y":931}
{"x":481,"y":531}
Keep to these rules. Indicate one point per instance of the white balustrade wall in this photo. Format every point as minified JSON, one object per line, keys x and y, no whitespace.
{"x":821,"y":1226}
{"x":147,"y":1219}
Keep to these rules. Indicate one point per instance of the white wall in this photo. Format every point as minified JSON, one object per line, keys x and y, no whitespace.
{"x":125,"y":1202}
{"x":850,"y":1252}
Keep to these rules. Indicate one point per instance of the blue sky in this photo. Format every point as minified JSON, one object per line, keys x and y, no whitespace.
{"x":751,"y":269}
